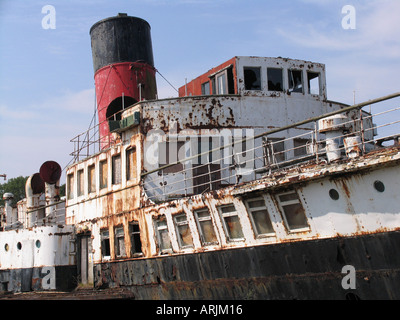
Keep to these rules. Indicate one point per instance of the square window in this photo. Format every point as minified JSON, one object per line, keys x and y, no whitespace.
{"x":168,"y":152}
{"x":295,"y":80}
{"x":259,"y":216}
{"x":252,"y":78}
{"x":300,"y":147}
{"x":275,"y":79}
{"x":293,"y":211}
{"x":231,"y":223}
{"x":274,"y":151}
{"x":183,"y":231}
{"x":313,"y":83}
{"x":206,"y":228}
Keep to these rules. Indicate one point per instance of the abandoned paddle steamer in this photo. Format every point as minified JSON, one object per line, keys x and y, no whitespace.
{"x":249,"y":185}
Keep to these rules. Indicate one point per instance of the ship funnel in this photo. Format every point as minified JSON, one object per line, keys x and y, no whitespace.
{"x":50,"y":172}
{"x":123,"y":65}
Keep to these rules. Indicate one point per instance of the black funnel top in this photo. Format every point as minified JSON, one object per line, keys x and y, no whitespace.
{"x":121,"y":39}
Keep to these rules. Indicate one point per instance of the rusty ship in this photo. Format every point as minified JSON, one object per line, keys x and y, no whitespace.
{"x":250,"y":184}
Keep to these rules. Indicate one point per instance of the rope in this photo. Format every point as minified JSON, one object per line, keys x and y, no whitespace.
{"x":166,"y":80}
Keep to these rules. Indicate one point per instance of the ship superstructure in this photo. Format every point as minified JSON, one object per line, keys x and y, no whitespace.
{"x":249,"y":181}
{"x":249,"y":185}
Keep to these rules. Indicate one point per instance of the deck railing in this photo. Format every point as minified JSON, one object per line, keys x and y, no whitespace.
{"x":230,"y":164}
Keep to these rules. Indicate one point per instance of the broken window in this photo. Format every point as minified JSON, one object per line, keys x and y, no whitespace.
{"x":231,"y":223}
{"x":275,"y":79}
{"x":313,"y":83}
{"x":295,"y":80}
{"x":105,"y":243}
{"x":131,"y":164}
{"x":103,"y":174}
{"x":91,"y":179}
{"x":136,"y":244}
{"x":80,"y":183}
{"x":119,"y":240}
{"x":70,"y":186}
{"x":183,"y":231}
{"x":206,"y":228}
{"x":252,"y":78}
{"x":164,"y":241}
{"x":205,"y":88}
{"x":169,"y":153}
{"x":116,"y":169}
{"x":259,"y":216}
{"x":293,"y":211}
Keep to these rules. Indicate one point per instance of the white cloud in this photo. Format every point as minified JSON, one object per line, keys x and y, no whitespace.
{"x":10,"y":114}
{"x":376,"y":32}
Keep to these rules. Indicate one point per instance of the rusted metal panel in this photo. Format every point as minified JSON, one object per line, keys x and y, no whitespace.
{"x":299,"y":270}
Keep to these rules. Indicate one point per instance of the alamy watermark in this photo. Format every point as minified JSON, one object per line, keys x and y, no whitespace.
{"x":349,"y":20}
{"x":349,"y":280}
{"x":49,"y":20}
{"x":223,"y":146}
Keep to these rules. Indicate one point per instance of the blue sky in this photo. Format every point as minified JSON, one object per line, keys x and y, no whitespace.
{"x":46,"y":75}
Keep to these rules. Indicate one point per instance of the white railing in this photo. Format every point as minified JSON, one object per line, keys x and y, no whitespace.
{"x":367,"y":130}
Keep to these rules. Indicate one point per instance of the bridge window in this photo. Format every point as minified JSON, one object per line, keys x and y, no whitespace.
{"x":205,"y":88}
{"x":252,"y":78}
{"x":275,"y":79}
{"x":221,"y":84}
{"x":313,"y":83}
{"x":295,"y":80}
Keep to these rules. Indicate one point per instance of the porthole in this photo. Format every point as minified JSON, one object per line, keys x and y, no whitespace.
{"x":37,"y":243}
{"x":19,"y":245}
{"x":334,"y":194}
{"x":379,"y":186}
{"x":6,"y":247}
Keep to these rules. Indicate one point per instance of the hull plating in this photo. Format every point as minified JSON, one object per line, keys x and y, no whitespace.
{"x":297,"y":270}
